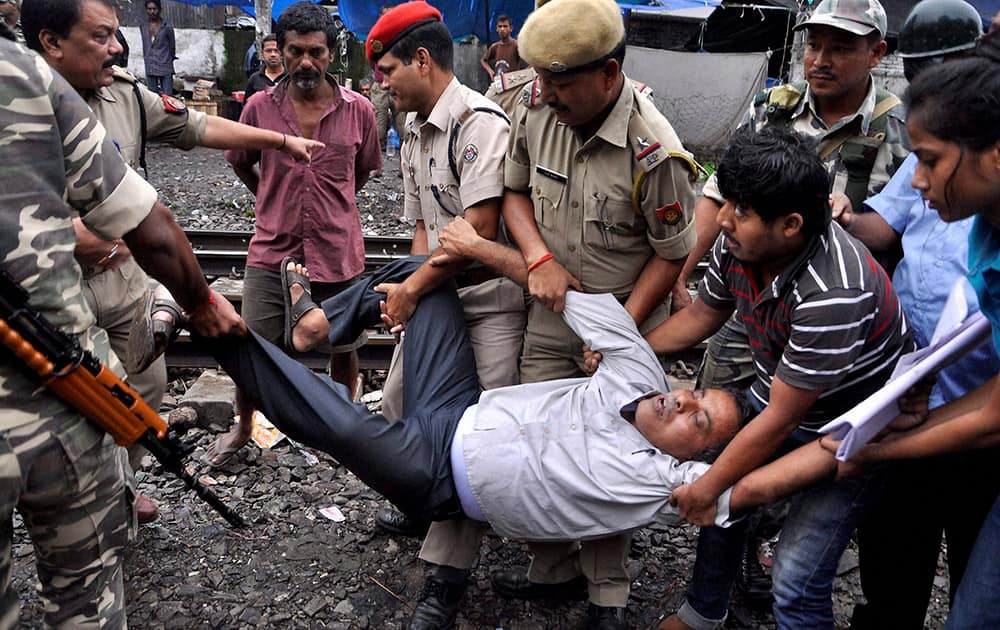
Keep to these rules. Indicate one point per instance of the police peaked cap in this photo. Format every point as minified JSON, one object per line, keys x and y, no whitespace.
{"x":571,"y":35}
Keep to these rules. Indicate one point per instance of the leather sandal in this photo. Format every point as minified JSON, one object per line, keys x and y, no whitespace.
{"x":148,"y":338}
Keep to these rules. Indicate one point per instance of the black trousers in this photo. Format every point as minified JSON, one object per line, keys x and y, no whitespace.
{"x":408,"y":461}
{"x":900,"y":538}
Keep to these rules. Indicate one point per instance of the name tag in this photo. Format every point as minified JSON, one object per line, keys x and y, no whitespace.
{"x":559,"y":177}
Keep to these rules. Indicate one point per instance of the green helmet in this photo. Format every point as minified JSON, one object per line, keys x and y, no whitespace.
{"x":939,"y":27}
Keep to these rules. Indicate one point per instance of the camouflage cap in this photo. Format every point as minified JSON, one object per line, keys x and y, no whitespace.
{"x":571,"y":35}
{"x":860,"y":17}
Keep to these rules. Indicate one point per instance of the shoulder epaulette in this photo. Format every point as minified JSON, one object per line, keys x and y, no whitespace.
{"x":531,"y":95}
{"x":122,"y":74}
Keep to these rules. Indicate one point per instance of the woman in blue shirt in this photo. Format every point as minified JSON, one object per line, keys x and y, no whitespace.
{"x":954,"y":127}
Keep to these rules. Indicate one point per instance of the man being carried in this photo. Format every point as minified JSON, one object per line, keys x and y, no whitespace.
{"x":559,"y":461}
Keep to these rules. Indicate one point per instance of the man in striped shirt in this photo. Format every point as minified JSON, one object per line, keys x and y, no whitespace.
{"x":825,"y":331}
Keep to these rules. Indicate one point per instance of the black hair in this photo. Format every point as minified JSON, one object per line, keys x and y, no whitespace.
{"x":435,"y":37}
{"x":270,"y":37}
{"x":745,"y":412}
{"x":775,"y":172}
{"x":504,"y":18}
{"x":960,"y":101}
{"x":58,"y":16}
{"x":306,"y":17}
{"x":158,"y":3}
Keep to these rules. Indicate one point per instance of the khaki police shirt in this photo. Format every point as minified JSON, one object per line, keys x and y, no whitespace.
{"x":118,"y":110}
{"x":432,"y":194}
{"x":582,"y":191}
{"x":892,"y":150}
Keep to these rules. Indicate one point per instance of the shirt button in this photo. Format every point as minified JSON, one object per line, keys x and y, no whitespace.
{"x":573,"y":427}
{"x":427,"y":187}
{"x":572,"y":248}
{"x":575,"y":204}
{"x":431,"y":226}
{"x":579,"y":159}
{"x":538,"y":190}
{"x":426,"y":149}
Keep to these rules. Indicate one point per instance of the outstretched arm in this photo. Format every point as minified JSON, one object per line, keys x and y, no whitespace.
{"x":802,"y":467}
{"x":221,"y":133}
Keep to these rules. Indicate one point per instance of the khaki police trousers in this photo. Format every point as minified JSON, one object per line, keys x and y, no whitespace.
{"x":113,"y":295}
{"x":495,"y":318}
{"x":552,"y":350}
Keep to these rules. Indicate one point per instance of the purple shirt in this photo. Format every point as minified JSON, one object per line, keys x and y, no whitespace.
{"x":307,"y":210}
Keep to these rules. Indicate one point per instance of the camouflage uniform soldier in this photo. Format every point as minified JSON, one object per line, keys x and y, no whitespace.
{"x":57,"y":469}
{"x":861,"y":133}
{"x":599,"y":198}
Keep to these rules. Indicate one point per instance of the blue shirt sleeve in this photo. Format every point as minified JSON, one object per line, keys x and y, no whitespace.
{"x":898,"y":196}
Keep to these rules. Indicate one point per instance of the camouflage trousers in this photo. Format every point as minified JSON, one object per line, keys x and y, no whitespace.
{"x":64,"y":476}
{"x":727,"y":363}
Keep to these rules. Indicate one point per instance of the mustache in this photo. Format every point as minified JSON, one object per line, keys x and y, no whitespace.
{"x":822,"y":75}
{"x":108,"y":62}
{"x":306,"y":74}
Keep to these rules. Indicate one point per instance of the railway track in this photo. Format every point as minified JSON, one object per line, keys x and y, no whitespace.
{"x":222,"y":255}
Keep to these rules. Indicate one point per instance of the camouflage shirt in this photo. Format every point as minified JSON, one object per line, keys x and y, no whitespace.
{"x":883,"y":154}
{"x":54,"y":158}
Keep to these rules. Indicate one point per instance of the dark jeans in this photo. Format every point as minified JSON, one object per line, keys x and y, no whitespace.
{"x":819,"y":525}
{"x":976,"y":603}
{"x":407,"y":461}
{"x":900,"y":539}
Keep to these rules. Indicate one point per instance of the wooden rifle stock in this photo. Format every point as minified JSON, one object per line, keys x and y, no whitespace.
{"x":80,"y":380}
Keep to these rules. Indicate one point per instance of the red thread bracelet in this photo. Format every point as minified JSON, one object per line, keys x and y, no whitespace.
{"x":544,"y":258}
{"x":209,"y":303}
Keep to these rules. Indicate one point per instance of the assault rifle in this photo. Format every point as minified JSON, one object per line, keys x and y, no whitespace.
{"x":85,"y":384}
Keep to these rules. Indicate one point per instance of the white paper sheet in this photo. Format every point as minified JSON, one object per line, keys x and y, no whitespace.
{"x":956,"y":335}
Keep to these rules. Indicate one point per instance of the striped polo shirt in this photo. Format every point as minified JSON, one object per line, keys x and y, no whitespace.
{"x":830,"y":321}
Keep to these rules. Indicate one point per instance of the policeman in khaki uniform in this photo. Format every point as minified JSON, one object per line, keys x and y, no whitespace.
{"x":133,"y":115}
{"x":599,"y":197}
{"x":452,"y":164}
{"x":56,"y":468}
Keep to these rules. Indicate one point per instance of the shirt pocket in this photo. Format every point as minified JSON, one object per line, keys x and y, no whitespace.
{"x":612,"y":223}
{"x":334,"y":162}
{"x":443,"y":189}
{"x":547,"y":194}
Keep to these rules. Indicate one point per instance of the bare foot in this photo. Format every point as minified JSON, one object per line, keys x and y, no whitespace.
{"x":227,"y":444}
{"x":312,"y":328}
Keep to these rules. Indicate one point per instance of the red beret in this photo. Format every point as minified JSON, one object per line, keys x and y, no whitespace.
{"x":396,"y":23}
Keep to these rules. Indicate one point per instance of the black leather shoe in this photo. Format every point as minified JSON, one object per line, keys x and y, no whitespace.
{"x":515,"y":583}
{"x":395,"y":522}
{"x":605,"y":618}
{"x":438,"y":605}
{"x":753,"y":581}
